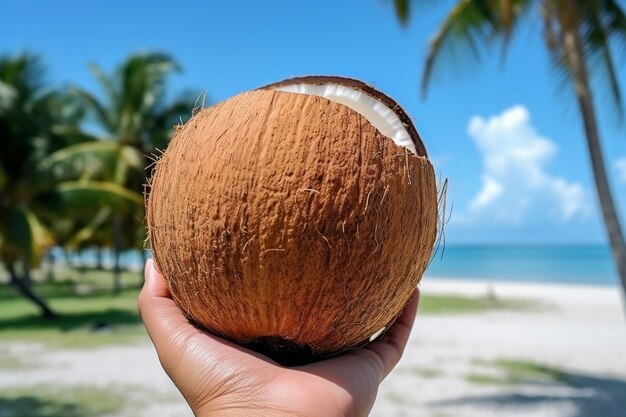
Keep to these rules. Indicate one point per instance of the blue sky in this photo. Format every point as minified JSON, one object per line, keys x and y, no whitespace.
{"x":508,"y":140}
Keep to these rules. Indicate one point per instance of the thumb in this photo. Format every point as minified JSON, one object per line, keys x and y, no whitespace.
{"x":166,"y":324}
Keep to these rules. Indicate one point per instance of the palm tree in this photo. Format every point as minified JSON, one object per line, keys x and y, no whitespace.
{"x":576,"y":33}
{"x":137,"y":121}
{"x":30,"y":193}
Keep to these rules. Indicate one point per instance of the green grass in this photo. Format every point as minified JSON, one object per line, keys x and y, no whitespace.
{"x":525,"y":369}
{"x":453,"y":304}
{"x":398,"y":399}
{"x":89,"y":314}
{"x":61,"y":401}
{"x":11,"y":362}
{"x":71,"y":281}
{"x":441,"y":414}
{"x":484,"y":379}
{"x":420,"y":371}
{"x":515,"y":372}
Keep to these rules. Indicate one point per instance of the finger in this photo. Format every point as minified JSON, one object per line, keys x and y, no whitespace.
{"x":155,"y":285}
{"x":391,"y":346}
{"x":163,"y":319}
{"x":154,"y":293}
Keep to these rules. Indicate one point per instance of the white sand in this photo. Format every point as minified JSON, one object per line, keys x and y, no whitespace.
{"x":578,"y":330}
{"x":581,"y":331}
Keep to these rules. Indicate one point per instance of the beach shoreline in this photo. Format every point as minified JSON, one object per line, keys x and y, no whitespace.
{"x":555,"y":292}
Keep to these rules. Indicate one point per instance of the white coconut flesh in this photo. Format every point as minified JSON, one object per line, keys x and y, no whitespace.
{"x":378,"y":333}
{"x":375,"y":111}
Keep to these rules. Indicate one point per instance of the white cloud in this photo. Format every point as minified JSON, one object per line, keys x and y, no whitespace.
{"x":515,"y":184}
{"x":488,"y":194}
{"x":620,"y":166}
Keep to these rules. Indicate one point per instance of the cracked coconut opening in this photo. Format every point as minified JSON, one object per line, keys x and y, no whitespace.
{"x":382,"y":117}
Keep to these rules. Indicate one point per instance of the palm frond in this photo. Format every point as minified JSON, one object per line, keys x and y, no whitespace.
{"x":596,"y":24}
{"x":83,"y":199}
{"x":7,"y":96}
{"x":98,"y":159}
{"x":23,"y":235}
{"x":86,"y":193}
{"x":143,"y":77}
{"x":81,"y":149}
{"x":470,"y":28}
{"x":25,"y":72}
{"x":73,"y":135}
{"x":615,"y":21}
{"x":163,"y":121}
{"x":598,"y":49}
{"x":87,"y":232}
{"x":469,"y":25}
{"x":550,"y":27}
{"x":142,"y":80}
{"x":3,"y":177}
{"x":99,"y":109}
{"x":403,"y":10}
{"x":508,"y":19}
{"x":600,"y":26}
{"x":25,"y":118}
{"x":106,"y":83}
{"x":40,"y":236}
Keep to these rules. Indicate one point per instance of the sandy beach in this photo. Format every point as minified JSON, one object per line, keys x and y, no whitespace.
{"x":558,"y":352}
{"x":460,"y":365}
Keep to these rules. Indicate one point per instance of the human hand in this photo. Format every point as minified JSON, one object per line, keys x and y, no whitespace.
{"x":219,"y":378}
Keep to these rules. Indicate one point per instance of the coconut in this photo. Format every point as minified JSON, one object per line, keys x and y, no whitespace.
{"x":296,"y":219}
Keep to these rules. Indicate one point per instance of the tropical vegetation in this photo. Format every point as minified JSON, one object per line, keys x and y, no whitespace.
{"x":136,"y":121}
{"x":62,"y":185}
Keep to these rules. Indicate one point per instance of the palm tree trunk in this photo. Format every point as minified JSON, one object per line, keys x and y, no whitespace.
{"x":26,"y":276}
{"x":66,"y":258}
{"x":99,"y":258}
{"x":117,"y":249}
{"x":50,"y":277}
{"x":26,"y":290}
{"x":576,"y":60}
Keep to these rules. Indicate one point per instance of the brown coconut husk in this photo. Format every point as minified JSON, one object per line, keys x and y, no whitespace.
{"x":289,"y":223}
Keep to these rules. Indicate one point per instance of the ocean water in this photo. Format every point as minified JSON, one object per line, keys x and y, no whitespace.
{"x":88,"y":257}
{"x":557,"y":264}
